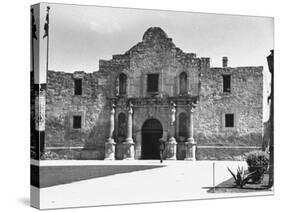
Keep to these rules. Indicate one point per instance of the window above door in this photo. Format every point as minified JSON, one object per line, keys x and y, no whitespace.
{"x":152,"y":83}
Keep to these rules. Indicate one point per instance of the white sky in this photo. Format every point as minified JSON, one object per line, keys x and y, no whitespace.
{"x":82,"y":35}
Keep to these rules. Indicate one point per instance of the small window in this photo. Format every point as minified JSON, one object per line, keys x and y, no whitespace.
{"x":77,"y":86}
{"x":229,"y":120}
{"x":226,"y":83}
{"x":76,"y":122}
{"x":152,"y":82}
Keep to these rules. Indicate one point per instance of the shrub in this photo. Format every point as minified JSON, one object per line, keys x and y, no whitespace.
{"x":241,"y":178}
{"x":62,"y":155}
{"x":258,"y":162}
{"x":49,"y":155}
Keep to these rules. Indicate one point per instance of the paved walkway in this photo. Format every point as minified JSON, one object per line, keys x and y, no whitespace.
{"x":178,"y":180}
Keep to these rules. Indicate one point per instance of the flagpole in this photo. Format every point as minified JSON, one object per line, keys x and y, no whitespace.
{"x":32,"y":39}
{"x":43,"y":89}
{"x":47,"y":63}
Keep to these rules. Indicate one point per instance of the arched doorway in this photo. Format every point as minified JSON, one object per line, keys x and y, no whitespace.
{"x":152,"y":131}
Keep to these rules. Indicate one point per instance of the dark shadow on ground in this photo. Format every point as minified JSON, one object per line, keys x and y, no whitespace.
{"x":57,"y":175}
{"x":228,"y":186}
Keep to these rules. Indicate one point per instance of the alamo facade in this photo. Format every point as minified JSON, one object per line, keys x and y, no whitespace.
{"x":155,"y":91}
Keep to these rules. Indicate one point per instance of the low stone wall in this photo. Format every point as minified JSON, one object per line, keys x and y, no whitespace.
{"x":202,"y":153}
{"x":73,"y":154}
{"x":217,"y":152}
{"x":223,"y":152}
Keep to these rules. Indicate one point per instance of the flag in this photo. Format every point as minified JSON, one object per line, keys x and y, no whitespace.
{"x":33,"y":25}
{"x":46,"y":26}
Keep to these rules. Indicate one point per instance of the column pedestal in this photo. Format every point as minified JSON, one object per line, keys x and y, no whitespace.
{"x":110,"y":149}
{"x":190,"y":150}
{"x":129,"y":149}
{"x":171,"y":149}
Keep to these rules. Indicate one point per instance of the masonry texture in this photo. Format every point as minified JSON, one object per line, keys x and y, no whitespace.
{"x":167,"y":94}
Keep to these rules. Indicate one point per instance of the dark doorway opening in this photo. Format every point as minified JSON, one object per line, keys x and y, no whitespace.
{"x":152,"y":131}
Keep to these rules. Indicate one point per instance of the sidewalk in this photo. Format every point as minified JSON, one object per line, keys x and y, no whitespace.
{"x":176,"y":180}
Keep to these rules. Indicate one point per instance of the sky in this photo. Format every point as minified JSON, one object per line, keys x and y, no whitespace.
{"x":80,"y":36}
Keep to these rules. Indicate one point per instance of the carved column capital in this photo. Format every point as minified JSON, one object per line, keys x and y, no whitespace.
{"x":191,"y":107}
{"x":130,"y":108}
{"x":112,"y":111}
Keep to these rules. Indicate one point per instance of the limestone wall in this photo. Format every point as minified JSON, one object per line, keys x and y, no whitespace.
{"x":62,"y":105}
{"x":244,"y":101}
{"x":155,"y":54}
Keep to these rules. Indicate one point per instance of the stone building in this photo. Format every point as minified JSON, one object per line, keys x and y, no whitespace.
{"x":155,"y":91}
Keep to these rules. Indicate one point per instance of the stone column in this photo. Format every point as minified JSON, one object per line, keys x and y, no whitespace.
{"x":171,"y":148}
{"x":110,"y":144}
{"x":129,"y":150}
{"x":190,"y":144}
{"x":117,"y":86}
{"x":161,"y":89}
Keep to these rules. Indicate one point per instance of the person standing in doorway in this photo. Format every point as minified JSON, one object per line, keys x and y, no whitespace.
{"x":161,"y":148}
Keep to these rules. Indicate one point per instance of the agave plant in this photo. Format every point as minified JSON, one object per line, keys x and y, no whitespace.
{"x":241,"y":178}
